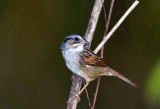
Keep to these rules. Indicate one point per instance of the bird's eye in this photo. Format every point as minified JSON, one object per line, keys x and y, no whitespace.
{"x":77,"y":39}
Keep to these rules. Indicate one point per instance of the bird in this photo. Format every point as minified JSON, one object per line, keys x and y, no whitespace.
{"x":84,"y":63}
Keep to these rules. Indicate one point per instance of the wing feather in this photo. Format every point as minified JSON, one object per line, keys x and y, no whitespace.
{"x":89,"y":58}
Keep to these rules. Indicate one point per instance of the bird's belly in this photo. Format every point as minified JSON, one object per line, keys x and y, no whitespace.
{"x":75,"y":68}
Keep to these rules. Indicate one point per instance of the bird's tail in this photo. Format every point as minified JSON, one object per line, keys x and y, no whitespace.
{"x":115,"y":73}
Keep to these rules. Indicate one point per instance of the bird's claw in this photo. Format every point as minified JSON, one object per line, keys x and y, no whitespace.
{"x":74,"y":98}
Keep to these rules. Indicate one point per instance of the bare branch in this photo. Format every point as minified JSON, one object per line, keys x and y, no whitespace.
{"x":102,"y":49}
{"x":93,"y":20}
{"x":77,"y":81}
{"x":116,"y":26}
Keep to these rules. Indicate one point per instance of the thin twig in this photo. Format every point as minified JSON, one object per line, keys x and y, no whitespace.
{"x":89,"y":102}
{"x":102,"y":50}
{"x":116,"y":26}
{"x":77,"y":81}
{"x":107,"y":23}
{"x":106,"y":29}
{"x":96,"y":93}
{"x":109,"y":16}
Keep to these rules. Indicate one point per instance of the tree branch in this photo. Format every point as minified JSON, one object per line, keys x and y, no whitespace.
{"x":107,"y":22}
{"x":93,"y":20}
{"x":77,"y":81}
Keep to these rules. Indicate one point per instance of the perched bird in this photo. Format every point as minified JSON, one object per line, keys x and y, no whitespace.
{"x":84,"y":63}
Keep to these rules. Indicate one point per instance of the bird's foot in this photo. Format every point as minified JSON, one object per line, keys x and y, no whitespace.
{"x":74,"y":98}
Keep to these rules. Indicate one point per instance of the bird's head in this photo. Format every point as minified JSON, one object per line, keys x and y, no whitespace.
{"x":74,"y":42}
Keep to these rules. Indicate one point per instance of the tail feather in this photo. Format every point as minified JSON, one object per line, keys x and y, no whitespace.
{"x":114,"y":73}
{"x":126,"y":80}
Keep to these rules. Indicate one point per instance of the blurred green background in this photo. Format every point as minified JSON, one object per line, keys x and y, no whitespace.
{"x":32,"y":71}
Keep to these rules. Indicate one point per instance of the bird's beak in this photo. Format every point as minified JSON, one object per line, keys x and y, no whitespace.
{"x":86,"y":44}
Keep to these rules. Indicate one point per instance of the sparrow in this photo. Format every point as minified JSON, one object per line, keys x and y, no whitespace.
{"x":84,"y":63}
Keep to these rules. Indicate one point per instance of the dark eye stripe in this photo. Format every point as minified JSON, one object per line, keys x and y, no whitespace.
{"x":66,"y":39}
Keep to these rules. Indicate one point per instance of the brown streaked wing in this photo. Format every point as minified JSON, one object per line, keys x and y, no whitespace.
{"x":89,"y":58}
